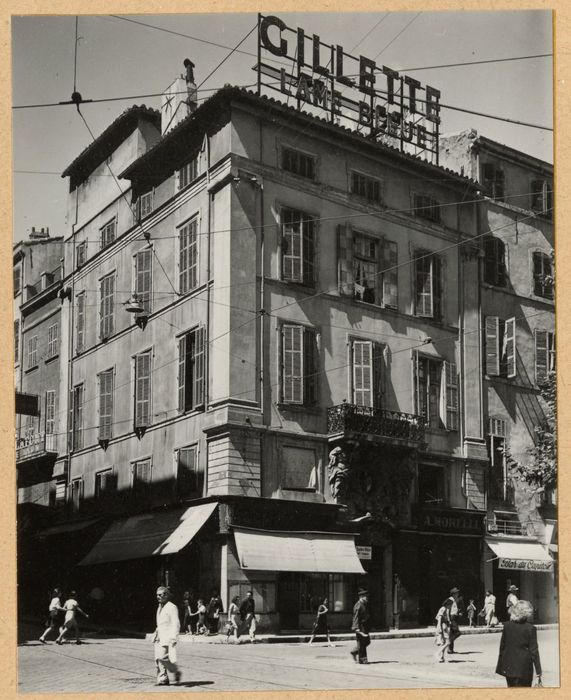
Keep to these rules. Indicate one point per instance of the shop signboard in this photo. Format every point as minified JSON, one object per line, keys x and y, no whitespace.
{"x":450,"y":520}
{"x":364,"y":552}
{"x":525,"y":565}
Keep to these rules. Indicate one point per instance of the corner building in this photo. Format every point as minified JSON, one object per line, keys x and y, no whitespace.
{"x":274,"y":367}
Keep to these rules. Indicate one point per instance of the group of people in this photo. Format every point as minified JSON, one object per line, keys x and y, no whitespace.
{"x":62,"y":617}
{"x":519,"y":652}
{"x":206,"y":618}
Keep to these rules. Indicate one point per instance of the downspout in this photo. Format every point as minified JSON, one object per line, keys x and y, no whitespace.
{"x":262,"y":274}
{"x":71,"y":327}
{"x":208,"y":286}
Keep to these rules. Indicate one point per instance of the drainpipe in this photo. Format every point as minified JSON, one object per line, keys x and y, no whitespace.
{"x":262,"y":274}
{"x":70,"y":347}
{"x":208,"y":286}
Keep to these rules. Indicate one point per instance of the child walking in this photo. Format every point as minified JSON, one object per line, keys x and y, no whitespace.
{"x":471,"y":610}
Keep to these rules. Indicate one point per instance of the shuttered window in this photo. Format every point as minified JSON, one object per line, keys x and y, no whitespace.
{"x":492,"y":346}
{"x":430,"y":400}
{"x":428,"y":285}
{"x":493,"y":181}
{"x":544,"y":355}
{"x":144,"y":205}
{"x":105,"y":484}
{"x":509,"y":348}
{"x":390,"y":274}
{"x":17,"y":280}
{"x":81,"y":253}
{"x":142,"y":475}
{"x":494,"y":261}
{"x":143,"y":390}
{"x":298,"y":247}
{"x":108,"y":233}
{"x":426,"y":207}
{"x":106,"y":405}
{"x":80,"y":323}
{"x":191,"y":368}
{"x":50,"y":412}
{"x":107,"y":307}
{"x":449,"y":397}
{"x":542,"y":197}
{"x":76,"y":495}
{"x":501,"y":348}
{"x":32,"y":351}
{"x":542,"y":276}
{"x":189,"y":479}
{"x":187,"y":173}
{"x":144,"y":278}
{"x":366,"y":268}
{"x":299,"y":365}
{"x":362,"y":373}
{"x":53,"y":340}
{"x":188,"y":257}
{"x":367,"y":187}
{"x":77,"y":417}
{"x":298,"y":163}
{"x":16,"y":341}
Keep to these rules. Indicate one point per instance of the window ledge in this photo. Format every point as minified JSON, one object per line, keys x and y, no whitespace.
{"x":31,"y":369}
{"x":51,"y":359}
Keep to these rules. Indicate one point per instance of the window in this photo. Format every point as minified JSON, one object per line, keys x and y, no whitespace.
{"x":298,"y":365}
{"x":437,"y":392}
{"x":365,"y":268}
{"x":188,"y":257}
{"x":366,"y":363}
{"x":495,"y":261}
{"x":298,"y":163}
{"x":17,"y":280}
{"x":32,"y":351}
{"x":76,"y":408}
{"x":298,"y":247}
{"x":500,"y":338}
{"x":339,"y":589}
{"x":187,"y":173}
{"x":76,"y":494}
{"x":493,"y":181}
{"x":50,"y":412}
{"x":53,"y":338}
{"x":105,"y":484}
{"x":298,"y":469}
{"x":189,"y":478}
{"x":191,"y":356}
{"x":81,"y":254}
{"x":107,"y":307}
{"x":426,"y":207}
{"x":500,"y":488}
{"x":59,"y":494}
{"x":366,"y":187}
{"x":431,"y":485}
{"x":142,"y":475}
{"x":108,"y":233}
{"x":544,"y":355}
{"x":542,"y":275}
{"x":542,"y":197}
{"x":143,"y":390}
{"x":144,"y":205}
{"x":428,"y":285}
{"x":264,"y":594}
{"x":17,"y":341}
{"x":106,"y":381}
{"x":389,"y":274}
{"x":80,"y":323}
{"x":144,"y":278}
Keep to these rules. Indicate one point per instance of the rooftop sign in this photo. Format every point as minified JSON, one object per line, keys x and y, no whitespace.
{"x":352,"y":91}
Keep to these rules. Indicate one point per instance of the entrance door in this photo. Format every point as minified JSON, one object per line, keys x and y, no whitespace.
{"x":288,"y":601}
{"x":503,"y":579}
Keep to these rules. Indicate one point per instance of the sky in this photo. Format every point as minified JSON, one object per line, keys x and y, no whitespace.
{"x":117,"y":58}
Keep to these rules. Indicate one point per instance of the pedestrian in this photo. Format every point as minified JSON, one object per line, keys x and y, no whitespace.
{"x":320,"y":624}
{"x":511,"y":599}
{"x":248,"y":615}
{"x":71,"y":607}
{"x":456,"y":610}
{"x":360,"y":626}
{"x":215,"y":607}
{"x":471,"y":610}
{"x":55,"y":615}
{"x":187,"y":620}
{"x":519,"y":653}
{"x":166,"y":637}
{"x":233,"y":627}
{"x":489,"y":609}
{"x":443,"y":629}
{"x":201,"y":627}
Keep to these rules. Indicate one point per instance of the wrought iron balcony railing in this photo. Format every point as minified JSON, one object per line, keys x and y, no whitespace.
{"x":35,"y":445}
{"x":377,"y":422}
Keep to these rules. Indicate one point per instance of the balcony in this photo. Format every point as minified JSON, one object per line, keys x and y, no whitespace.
{"x":35,"y":446}
{"x":510,"y":526}
{"x":375,"y":424}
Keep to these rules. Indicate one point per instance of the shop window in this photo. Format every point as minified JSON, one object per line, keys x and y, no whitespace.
{"x":337,"y":588}
{"x":431,"y":486}
{"x":428,"y":285}
{"x":191,"y":358}
{"x":501,"y":348}
{"x":106,"y":405}
{"x":437,"y":392}
{"x":544,"y":355}
{"x":189,"y":478}
{"x":542,"y":197}
{"x":542,"y":275}
{"x":80,"y":323}
{"x":188,"y":257}
{"x":366,"y":371}
{"x":298,"y":247}
{"x":495,"y":271}
{"x":299,"y":469}
{"x":144,"y":278}
{"x":263,"y":592}
{"x":298,"y":163}
{"x":493,"y":181}
{"x":426,"y":207}
{"x":108,"y":233}
{"x":142,"y":391}
{"x":367,"y":187}
{"x":107,"y":307}
{"x":298,"y":383}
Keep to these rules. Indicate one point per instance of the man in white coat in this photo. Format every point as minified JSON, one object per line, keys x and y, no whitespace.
{"x":165,"y":638}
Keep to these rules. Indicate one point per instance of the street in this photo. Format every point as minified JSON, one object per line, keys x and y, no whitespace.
{"x":126,"y":665}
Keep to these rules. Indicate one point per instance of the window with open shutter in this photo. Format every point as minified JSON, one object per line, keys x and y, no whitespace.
{"x":189,"y":477}
{"x":542,"y":275}
{"x":80,"y":323}
{"x":430,"y":401}
{"x":106,"y":405}
{"x":509,"y":348}
{"x":298,"y":247}
{"x":544,"y":355}
{"x":141,"y":475}
{"x":367,"y":282}
{"x":390,"y":274}
{"x":50,"y":412}
{"x":198,"y":366}
{"x":144,"y":278}
{"x":345,"y":259}
{"x":76,"y":494}
{"x":424,"y":281}
{"x":188,"y":257}
{"x":450,"y":402}
{"x":492,"y":337}
{"x":292,"y":364}
{"x":494,"y":261}
{"x":310,"y":366}
{"x":107,"y":307}
{"x":77,"y":417}
{"x":362,"y":367}
{"x":191,"y":369}
{"x":143,"y":390}
{"x":105,"y":484}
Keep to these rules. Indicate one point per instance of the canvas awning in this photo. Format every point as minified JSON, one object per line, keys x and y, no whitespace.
{"x":149,"y":535}
{"x":523,"y":556}
{"x":64,"y":528}
{"x":317,"y":552}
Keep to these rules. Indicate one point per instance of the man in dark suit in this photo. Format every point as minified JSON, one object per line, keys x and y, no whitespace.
{"x":248,"y":615}
{"x":456,"y":611}
{"x":360,"y":626}
{"x":519,"y":653}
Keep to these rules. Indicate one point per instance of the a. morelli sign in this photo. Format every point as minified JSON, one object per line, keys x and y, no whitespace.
{"x":377,"y":99}
{"x":450,"y":521}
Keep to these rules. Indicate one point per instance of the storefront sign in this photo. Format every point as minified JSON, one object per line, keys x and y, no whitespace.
{"x":525,"y":564}
{"x":364,"y":552}
{"x":462,"y":522}
{"x":375,"y":98}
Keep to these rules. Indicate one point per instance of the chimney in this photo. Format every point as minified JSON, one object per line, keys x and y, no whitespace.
{"x":40,"y":233}
{"x":179,"y":100}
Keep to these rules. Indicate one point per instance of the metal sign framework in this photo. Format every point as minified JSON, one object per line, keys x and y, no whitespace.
{"x":406,"y":114}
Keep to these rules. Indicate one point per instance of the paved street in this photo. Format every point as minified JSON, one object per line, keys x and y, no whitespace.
{"x":126,"y":665}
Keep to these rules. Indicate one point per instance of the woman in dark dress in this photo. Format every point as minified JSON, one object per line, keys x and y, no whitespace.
{"x":320,"y":625}
{"x":519,"y":652}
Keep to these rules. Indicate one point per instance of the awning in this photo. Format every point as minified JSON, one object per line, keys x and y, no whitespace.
{"x":150,"y":534}
{"x":64,"y":528}
{"x":523,"y":556}
{"x":263,"y":550}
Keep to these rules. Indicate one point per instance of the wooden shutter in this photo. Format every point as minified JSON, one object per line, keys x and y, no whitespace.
{"x":541,"y":356}
{"x":509,"y":347}
{"x":437,"y":291}
{"x":142,"y":390}
{"x":308,"y":250}
{"x":423,"y":284}
{"x":292,"y":359}
{"x":182,"y":373}
{"x":378,"y":375}
{"x":450,"y":399}
{"x":345,"y":259}
{"x":50,"y":412}
{"x":363,"y":373}
{"x":492,"y":339}
{"x":310,"y":366}
{"x":390,"y":274}
{"x":198,"y":368}
{"x":475,"y":487}
{"x":105,"y":405}
{"x":80,"y":331}
{"x":143,"y":278}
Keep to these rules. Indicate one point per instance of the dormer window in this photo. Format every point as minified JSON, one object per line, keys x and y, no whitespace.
{"x":298,"y":163}
{"x":108,"y":233}
{"x":187,"y":173}
{"x":493,"y":181}
{"x":542,"y":197}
